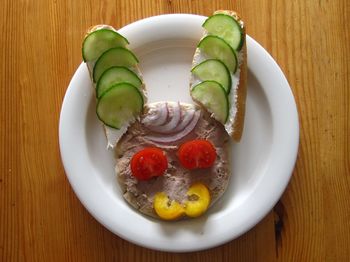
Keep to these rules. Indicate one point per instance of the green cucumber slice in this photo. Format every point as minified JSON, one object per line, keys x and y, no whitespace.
{"x":217,"y":48}
{"x":226,"y":27}
{"x":99,"y":41}
{"x":213,"y":97}
{"x":119,"y":104}
{"x":118,"y":56}
{"x":213,"y":69}
{"x":115,"y":75}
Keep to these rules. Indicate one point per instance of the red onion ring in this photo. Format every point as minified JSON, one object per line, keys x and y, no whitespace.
{"x":185,"y":121}
{"x":177,"y":136}
{"x":171,"y":125}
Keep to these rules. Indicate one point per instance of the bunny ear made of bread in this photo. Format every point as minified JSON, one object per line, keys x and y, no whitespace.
{"x":110,"y":39}
{"x":203,"y":65}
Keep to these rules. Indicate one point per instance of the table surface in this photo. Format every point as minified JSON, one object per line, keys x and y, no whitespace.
{"x":41,"y":219}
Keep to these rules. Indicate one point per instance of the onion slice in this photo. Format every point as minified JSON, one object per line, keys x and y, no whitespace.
{"x":177,"y":136}
{"x":159,"y":118}
{"x":185,"y":121}
{"x":175,"y":119}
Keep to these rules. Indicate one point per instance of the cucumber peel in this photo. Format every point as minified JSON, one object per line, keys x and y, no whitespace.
{"x":217,"y":48}
{"x":213,"y":69}
{"x":213,"y":97}
{"x":100,"y":41}
{"x":118,"y":56}
{"x":227,"y":28}
{"x":115,"y":75}
{"x":119,"y":104}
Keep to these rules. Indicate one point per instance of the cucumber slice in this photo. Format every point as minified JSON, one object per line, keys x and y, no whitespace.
{"x":213,"y":97}
{"x":119,"y":104}
{"x":217,"y":48}
{"x":118,"y":56}
{"x":226,"y":27}
{"x":115,"y":75}
{"x":99,"y":41}
{"x":213,"y":69}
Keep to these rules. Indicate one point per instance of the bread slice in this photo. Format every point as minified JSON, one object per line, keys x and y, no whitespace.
{"x":237,"y":97}
{"x":177,"y":179}
{"x":112,"y":134}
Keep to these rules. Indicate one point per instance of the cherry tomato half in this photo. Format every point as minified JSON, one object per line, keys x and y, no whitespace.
{"x":197,"y":154}
{"x":148,"y":163}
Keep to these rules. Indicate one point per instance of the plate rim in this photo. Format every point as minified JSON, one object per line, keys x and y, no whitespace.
{"x":250,"y":223}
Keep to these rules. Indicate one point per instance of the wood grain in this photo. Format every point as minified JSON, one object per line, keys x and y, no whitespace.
{"x":42,"y":220}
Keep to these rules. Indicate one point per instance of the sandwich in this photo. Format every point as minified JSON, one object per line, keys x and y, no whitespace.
{"x":172,"y":158}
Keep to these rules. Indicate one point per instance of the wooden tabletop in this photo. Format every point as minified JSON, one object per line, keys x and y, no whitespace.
{"x":41,"y":219}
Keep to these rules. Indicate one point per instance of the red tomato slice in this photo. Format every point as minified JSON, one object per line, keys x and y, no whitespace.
{"x":148,"y":163}
{"x":197,"y":154}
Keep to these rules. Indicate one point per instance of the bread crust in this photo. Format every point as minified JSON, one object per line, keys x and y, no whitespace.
{"x":238,"y":123}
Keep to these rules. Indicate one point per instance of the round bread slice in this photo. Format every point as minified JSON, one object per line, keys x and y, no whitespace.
{"x":176,"y":180}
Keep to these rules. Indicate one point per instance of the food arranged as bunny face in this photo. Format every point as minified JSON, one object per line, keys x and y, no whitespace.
{"x":172,"y":158}
{"x":178,"y":177}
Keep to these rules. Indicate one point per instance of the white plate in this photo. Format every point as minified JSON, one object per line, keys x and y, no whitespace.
{"x":262,"y":162}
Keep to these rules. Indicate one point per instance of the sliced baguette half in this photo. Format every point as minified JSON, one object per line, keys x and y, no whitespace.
{"x":237,"y":96}
{"x":113,"y":135}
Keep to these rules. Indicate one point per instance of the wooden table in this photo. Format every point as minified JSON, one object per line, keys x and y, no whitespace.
{"x":42,"y":219}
